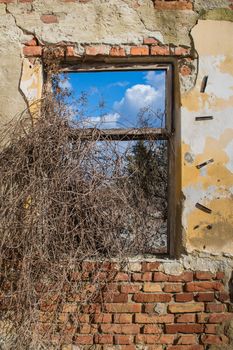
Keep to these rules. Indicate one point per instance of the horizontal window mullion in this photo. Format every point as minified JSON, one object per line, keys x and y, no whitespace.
{"x":120,"y":134}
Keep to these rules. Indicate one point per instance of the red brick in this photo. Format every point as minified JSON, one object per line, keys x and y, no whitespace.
{"x":83,"y":339}
{"x":214,"y":339}
{"x":223,"y":296}
{"x":123,"y":318}
{"x":186,"y":307}
{"x":32,"y":42}
{"x":173,"y":288}
{"x":32,"y":51}
{"x":160,"y":50}
{"x":89,"y":266}
{"x":218,"y":318}
{"x":103,"y":339}
{"x":212,"y":307}
{"x":186,"y":347}
{"x":48,"y":19}
{"x":150,"y":41}
{"x":173,"y":5}
{"x":87,"y":329}
{"x":185,"y":70}
{"x":97,"y":50}
{"x":150,"y":266}
{"x":123,"y":339}
{"x":139,"y":51}
{"x":184,"y":328}
{"x":156,"y":338}
{"x":144,"y":318}
{"x":120,"y":328}
{"x":69,"y":308}
{"x":108,"y":266}
{"x":142,"y":277}
{"x":160,"y":277}
{"x":70,"y":52}
{"x":123,"y":308}
{"x":220,"y":275}
{"x":214,"y":317}
{"x":210,"y":328}
{"x":130,"y":288}
{"x":126,"y":347}
{"x":186,"y":318}
{"x":81,"y":318}
{"x":147,"y":339}
{"x":154,"y":329}
{"x":203,"y":275}
{"x":115,"y":298}
{"x":117,"y":52}
{"x":102,"y":318}
{"x":152,"y":298}
{"x":91,"y":308}
{"x":152,"y":287}
{"x":205,"y":297}
{"x":121,"y":277}
{"x":188,"y":339}
{"x":204,"y":286}
{"x":181,"y":51}
{"x":186,"y":276}
{"x":184,"y":297}
{"x":203,"y":318}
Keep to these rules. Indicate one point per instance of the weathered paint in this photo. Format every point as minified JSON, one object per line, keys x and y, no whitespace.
{"x":31,"y":85}
{"x":127,"y":22}
{"x":211,"y":185}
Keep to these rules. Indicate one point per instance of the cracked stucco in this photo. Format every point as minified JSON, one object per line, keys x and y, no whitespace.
{"x":211,"y":185}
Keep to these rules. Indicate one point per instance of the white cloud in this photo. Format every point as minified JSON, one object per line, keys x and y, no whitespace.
{"x":156,"y":79}
{"x":119,"y":84}
{"x":106,"y":121}
{"x":136,"y":98}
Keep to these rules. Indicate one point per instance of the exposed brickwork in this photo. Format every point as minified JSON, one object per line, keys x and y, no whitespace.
{"x":48,"y":19}
{"x":128,"y":317}
{"x":173,"y":4}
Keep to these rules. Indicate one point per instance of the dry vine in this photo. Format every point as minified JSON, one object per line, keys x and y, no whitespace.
{"x":65,"y":202}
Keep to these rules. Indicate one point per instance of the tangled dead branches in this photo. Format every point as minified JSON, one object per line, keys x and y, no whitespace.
{"x":63,"y":202}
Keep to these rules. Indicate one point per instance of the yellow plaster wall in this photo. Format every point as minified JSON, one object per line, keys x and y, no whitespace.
{"x":31,"y":84}
{"x":212,"y":185}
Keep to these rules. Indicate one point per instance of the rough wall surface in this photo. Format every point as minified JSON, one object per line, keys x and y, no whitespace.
{"x":197,"y":35}
{"x":148,"y":305}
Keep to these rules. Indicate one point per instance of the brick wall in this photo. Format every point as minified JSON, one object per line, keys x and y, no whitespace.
{"x":144,"y":308}
{"x":151,"y":47}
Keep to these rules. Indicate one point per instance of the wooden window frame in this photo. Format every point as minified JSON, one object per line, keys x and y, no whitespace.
{"x":131,"y":134}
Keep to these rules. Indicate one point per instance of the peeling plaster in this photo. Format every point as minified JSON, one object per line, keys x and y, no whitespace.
{"x":125,"y":22}
{"x":209,"y":139}
{"x":31,"y":84}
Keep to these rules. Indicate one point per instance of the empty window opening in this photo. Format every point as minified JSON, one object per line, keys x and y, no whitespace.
{"x":126,"y":117}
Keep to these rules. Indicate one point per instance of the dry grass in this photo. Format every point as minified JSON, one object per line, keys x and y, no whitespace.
{"x":63,"y":202}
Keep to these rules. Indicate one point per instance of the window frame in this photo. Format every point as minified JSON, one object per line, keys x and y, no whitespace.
{"x":167,"y":133}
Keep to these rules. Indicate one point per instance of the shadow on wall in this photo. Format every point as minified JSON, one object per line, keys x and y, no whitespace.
{"x":230,"y":285}
{"x":226,"y":329}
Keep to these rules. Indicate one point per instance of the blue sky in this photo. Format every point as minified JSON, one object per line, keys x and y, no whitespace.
{"x":115,"y":99}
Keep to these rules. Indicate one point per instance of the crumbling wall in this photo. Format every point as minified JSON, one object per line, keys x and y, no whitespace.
{"x":195,"y":35}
